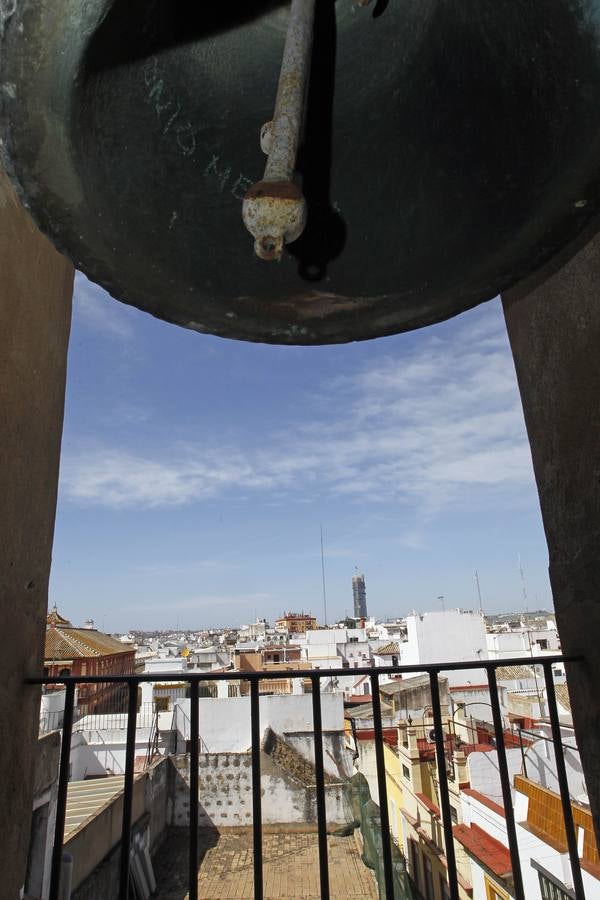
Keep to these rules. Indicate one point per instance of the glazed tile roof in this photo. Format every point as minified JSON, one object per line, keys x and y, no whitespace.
{"x":562,"y":695}
{"x":391,"y":649}
{"x":514,"y":673}
{"x":55,"y":618}
{"x":492,"y":853}
{"x":80,"y":643}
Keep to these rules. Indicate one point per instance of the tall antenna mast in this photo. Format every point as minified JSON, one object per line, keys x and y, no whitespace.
{"x":478,"y":591}
{"x":524,"y":586}
{"x":323,"y":575}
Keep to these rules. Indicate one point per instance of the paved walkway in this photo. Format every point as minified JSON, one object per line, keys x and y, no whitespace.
{"x":290,"y":868}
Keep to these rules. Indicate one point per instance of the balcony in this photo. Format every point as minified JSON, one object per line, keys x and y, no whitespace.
{"x":201,"y":860}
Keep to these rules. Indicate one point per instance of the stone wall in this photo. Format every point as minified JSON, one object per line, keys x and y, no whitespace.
{"x":35,"y":306}
{"x":225,"y":792}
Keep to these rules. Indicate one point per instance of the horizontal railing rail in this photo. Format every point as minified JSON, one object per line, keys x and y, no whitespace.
{"x":267,"y":675}
{"x":316,"y":676}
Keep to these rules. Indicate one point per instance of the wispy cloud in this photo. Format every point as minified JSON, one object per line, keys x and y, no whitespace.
{"x":424,"y":429}
{"x":95,"y":309}
{"x":205,"y":600}
{"x":198,"y":566}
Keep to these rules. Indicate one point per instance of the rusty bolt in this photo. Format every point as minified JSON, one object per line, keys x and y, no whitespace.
{"x":274,"y":213}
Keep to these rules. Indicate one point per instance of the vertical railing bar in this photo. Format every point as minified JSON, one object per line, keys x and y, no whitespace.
{"x":388,"y":870}
{"x":256,"y":795}
{"x":523,"y":754}
{"x":128,"y":793}
{"x":63,"y":781}
{"x":511,"y":828}
{"x":563,"y":783}
{"x":443,"y":783}
{"x":194,"y":763}
{"x":320,"y":787}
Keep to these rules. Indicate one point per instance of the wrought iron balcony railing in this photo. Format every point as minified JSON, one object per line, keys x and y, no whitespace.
{"x":254,"y":680}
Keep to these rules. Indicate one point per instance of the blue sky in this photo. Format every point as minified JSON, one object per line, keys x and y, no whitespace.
{"x":196,"y":473}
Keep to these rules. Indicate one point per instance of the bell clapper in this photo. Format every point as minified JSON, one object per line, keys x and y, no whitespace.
{"x":274,"y":209}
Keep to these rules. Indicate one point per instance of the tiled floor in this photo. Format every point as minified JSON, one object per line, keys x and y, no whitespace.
{"x":290,"y":868}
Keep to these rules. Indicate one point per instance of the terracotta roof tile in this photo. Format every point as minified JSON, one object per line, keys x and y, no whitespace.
{"x":429,"y":804}
{"x":485,"y":801}
{"x":492,"y":853}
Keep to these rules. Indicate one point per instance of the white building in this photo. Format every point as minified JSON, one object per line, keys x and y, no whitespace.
{"x":523,"y":642}
{"x":452,"y":635}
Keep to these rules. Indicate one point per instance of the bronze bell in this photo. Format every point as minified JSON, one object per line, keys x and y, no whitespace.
{"x":448,"y":151}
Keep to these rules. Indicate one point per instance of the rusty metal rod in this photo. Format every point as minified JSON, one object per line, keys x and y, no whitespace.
{"x":274,"y":209}
{"x":287,"y":121}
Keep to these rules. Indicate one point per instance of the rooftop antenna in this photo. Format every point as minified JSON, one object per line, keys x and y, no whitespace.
{"x":442,"y":598}
{"x":524,"y":586}
{"x":478,"y":591}
{"x":323,"y":576}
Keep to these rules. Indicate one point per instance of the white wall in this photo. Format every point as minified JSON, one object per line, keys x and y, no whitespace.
{"x":477,"y":703}
{"x":447,"y":636}
{"x":95,"y":753}
{"x":356,"y":651}
{"x":484,"y":774}
{"x":541,"y":766}
{"x":507,"y":644}
{"x":165,"y":664}
{"x":366,"y":764}
{"x":225,"y":722}
{"x":52,"y":709}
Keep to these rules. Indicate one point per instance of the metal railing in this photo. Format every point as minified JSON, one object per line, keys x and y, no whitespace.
{"x":316,"y":676}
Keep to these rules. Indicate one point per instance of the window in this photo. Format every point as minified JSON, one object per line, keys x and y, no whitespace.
{"x":414,"y":862}
{"x":406,"y":772}
{"x":429,"y":894}
{"x":444,"y":889}
{"x":276,"y":657}
{"x":494,"y":891}
{"x":64,"y":673}
{"x":453,"y":814}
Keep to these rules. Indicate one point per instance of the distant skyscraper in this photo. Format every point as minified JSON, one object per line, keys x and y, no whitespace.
{"x":360,"y":596}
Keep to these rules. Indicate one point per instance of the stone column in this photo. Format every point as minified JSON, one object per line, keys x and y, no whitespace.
{"x":554,"y":332}
{"x":35,"y":306}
